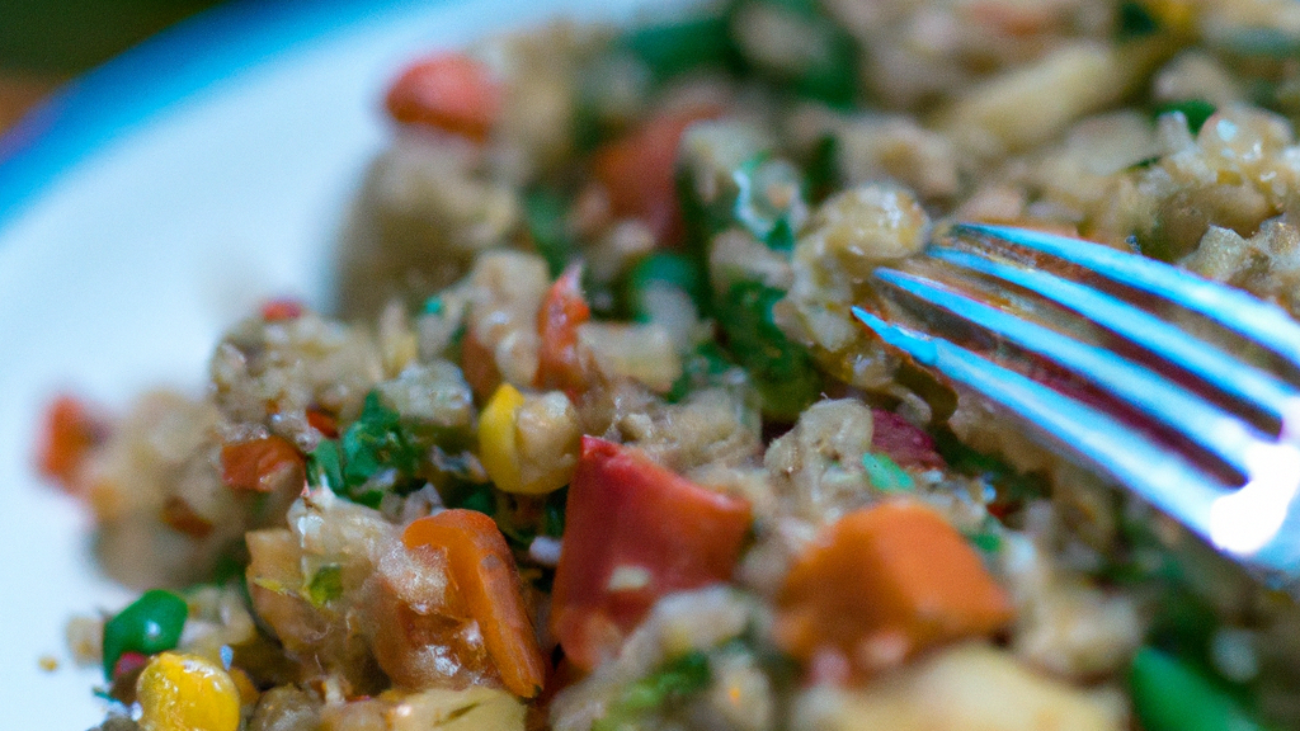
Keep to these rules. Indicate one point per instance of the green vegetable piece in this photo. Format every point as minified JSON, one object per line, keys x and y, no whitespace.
{"x":767,"y":219}
{"x":782,"y":370}
{"x":886,"y":475}
{"x":830,"y":73}
{"x":987,"y":542}
{"x":1135,"y":21}
{"x":480,"y":498}
{"x":149,"y":625}
{"x":662,"y":269}
{"x":326,"y":585}
{"x":375,"y":442}
{"x":700,"y":369}
{"x":1169,"y":695}
{"x":325,"y":465}
{"x":671,"y":49}
{"x":544,"y":215}
{"x":671,"y":683}
{"x":554,"y":513}
{"x":433,"y":306}
{"x":822,"y":174}
{"x":1195,"y":110}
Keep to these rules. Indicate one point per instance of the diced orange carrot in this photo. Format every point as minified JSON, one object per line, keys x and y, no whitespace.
{"x":67,"y":437}
{"x":883,"y":583}
{"x":638,"y":171}
{"x":484,"y":574}
{"x":564,"y":309}
{"x":260,"y":465}
{"x":451,"y":92}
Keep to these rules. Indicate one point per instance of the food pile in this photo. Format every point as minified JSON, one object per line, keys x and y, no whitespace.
{"x":593,"y":443}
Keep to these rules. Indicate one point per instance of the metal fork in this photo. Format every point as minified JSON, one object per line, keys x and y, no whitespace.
{"x":1065,"y":335}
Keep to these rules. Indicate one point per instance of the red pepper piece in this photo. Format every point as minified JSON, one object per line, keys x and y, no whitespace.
{"x":902,"y":441}
{"x":451,"y":92}
{"x":635,"y":532}
{"x":260,"y":465}
{"x":638,"y":171}
{"x":281,"y":310}
{"x":324,"y":422}
{"x":564,"y":309}
{"x":67,"y":438}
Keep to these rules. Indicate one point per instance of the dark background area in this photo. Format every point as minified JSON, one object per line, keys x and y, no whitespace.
{"x":45,"y":42}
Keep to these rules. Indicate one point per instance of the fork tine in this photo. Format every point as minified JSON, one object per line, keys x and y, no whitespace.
{"x":1209,"y":426}
{"x":1260,"y":321}
{"x":1160,"y":475}
{"x":1230,"y":375}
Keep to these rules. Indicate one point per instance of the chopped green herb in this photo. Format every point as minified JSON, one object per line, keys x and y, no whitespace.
{"x":886,"y":475}
{"x":782,"y":370}
{"x":673,"y":682}
{"x":701,"y":368}
{"x":662,"y":269}
{"x":1144,"y":163}
{"x":325,"y":465}
{"x":671,"y":49}
{"x":544,"y":214}
{"x":1135,"y":21}
{"x":434,"y":305}
{"x":986,"y":542}
{"x":553,"y":513}
{"x":822,"y":174}
{"x":376,"y":442}
{"x":1195,"y":110}
{"x":1171,"y":695}
{"x":326,"y":585}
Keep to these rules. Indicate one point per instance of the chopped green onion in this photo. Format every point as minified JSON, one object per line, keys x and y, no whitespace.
{"x":1135,"y":21}
{"x":671,"y":49}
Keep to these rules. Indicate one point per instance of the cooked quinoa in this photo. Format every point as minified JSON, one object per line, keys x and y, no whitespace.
{"x":592,"y":441}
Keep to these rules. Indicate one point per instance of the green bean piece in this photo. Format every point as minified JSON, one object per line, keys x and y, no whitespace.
{"x":149,"y":625}
{"x":782,"y":370}
{"x":671,"y":49}
{"x":1169,"y":695}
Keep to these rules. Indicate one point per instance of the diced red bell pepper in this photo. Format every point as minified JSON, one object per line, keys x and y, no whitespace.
{"x":324,"y":422}
{"x":564,"y":309}
{"x":638,"y":171}
{"x":67,"y":437}
{"x":901,"y":441}
{"x":451,"y":92}
{"x":634,"y":532}
{"x":281,"y":310}
{"x":260,"y":465}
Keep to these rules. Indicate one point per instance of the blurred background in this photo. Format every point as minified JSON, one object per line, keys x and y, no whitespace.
{"x":46,"y":42}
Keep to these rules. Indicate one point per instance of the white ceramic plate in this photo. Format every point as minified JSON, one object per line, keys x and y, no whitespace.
{"x":151,"y":204}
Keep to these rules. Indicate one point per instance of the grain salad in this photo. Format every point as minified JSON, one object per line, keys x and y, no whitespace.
{"x":590,"y":440}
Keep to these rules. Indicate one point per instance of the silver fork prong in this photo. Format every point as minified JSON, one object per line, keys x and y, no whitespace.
{"x":1260,"y":321}
{"x":1230,"y":375}
{"x":1160,"y":475}
{"x":1219,"y":432}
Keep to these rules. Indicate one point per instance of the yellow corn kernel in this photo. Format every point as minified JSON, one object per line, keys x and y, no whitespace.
{"x":529,"y":444}
{"x":186,"y":693}
{"x":498,"y":440}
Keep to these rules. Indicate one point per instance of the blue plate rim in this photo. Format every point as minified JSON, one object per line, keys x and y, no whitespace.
{"x":120,"y":96}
